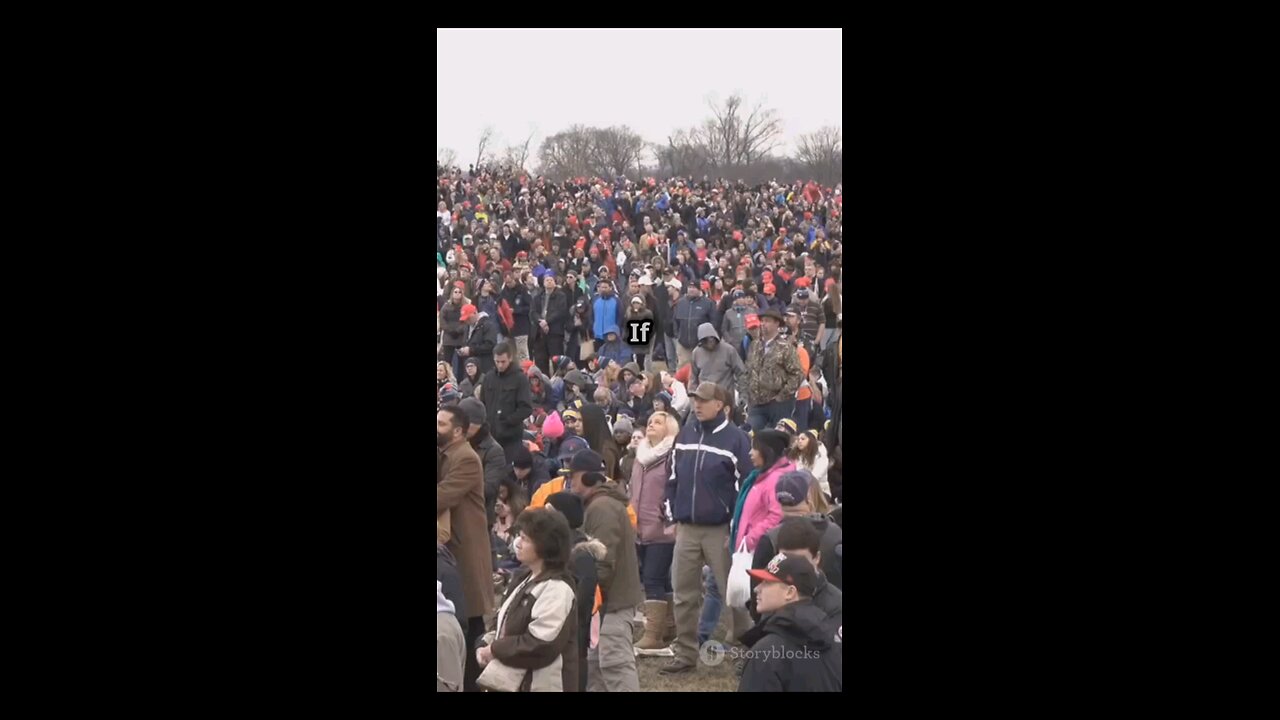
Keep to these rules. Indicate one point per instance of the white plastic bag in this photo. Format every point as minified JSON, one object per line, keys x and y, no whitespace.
{"x":739,"y":591}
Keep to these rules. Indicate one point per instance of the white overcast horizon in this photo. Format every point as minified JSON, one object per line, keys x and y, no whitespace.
{"x":543,"y":81}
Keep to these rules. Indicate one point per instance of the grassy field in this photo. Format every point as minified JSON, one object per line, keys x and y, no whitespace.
{"x":705,"y":679}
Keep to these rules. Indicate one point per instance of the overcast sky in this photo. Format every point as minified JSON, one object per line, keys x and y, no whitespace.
{"x":654,"y":81}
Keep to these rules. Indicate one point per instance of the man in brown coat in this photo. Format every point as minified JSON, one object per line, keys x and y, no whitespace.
{"x":461,"y":492}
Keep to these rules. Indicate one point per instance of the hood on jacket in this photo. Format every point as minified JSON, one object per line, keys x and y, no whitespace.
{"x":633,"y":367}
{"x":706,"y":330}
{"x":442,"y":603}
{"x":594,"y":548}
{"x":610,"y":489}
{"x":800,"y":622}
{"x":612,"y":329}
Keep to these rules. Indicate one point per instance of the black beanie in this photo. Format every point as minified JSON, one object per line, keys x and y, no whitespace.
{"x":570,"y":506}
{"x":775,"y":442}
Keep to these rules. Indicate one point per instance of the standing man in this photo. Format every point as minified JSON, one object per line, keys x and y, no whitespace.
{"x":718,"y":363}
{"x":612,"y":663}
{"x":668,"y":298}
{"x":710,"y":457}
{"x":551,"y":317}
{"x":482,"y":335}
{"x":490,"y":453}
{"x":517,"y":296}
{"x":454,"y":333}
{"x":606,"y":311}
{"x":508,"y":401}
{"x":461,"y":492}
{"x":813,"y":322}
{"x":692,"y":310}
{"x":773,"y":374}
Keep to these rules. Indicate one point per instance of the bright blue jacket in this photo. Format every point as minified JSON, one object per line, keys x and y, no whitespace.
{"x":606,"y":312}
{"x":707,"y":463}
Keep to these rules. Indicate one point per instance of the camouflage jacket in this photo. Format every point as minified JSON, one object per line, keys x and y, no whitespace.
{"x":773,"y":374}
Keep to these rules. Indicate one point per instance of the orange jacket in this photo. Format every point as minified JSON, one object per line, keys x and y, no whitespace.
{"x":804,"y":393}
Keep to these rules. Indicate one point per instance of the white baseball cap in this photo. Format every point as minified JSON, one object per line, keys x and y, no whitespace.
{"x":675,"y":283}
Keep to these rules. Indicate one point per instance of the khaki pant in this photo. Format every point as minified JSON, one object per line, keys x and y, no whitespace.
{"x":684,"y":356}
{"x":611,"y":665}
{"x":696,"y":545}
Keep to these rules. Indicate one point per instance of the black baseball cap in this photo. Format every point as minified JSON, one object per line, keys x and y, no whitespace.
{"x":791,"y":570}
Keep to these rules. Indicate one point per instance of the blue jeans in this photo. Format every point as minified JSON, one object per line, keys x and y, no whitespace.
{"x":655,"y":569}
{"x":766,"y":416}
{"x":803,"y":408}
{"x":711,"y":604}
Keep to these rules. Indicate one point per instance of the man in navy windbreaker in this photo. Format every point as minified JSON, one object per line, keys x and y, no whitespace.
{"x":710,"y":457}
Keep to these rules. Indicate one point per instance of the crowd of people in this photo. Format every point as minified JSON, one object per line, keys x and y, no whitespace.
{"x":596,"y":483}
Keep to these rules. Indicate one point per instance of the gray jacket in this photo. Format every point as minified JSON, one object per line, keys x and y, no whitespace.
{"x":689,"y":314}
{"x":721,"y":366}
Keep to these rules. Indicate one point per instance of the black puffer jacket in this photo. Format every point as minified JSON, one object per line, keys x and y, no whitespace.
{"x":791,"y":652}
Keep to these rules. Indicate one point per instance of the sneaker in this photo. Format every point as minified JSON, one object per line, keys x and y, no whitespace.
{"x":677,"y":667}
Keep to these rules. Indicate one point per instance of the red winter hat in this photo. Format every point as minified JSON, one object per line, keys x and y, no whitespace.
{"x":802,"y":282}
{"x":460,"y":285}
{"x":467,"y":312}
{"x":525,"y":365}
{"x":706,"y":286}
{"x":770,"y":289}
{"x":808,"y":215}
{"x":737,"y":234}
{"x":683,"y":373}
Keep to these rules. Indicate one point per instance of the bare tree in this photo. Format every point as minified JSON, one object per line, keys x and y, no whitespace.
{"x":567,"y":154}
{"x":821,"y":153}
{"x":684,"y":154}
{"x":446,"y":157}
{"x":615,"y":151}
{"x":518,"y":155}
{"x":486,"y":137}
{"x":760,"y":134}
{"x":732,"y":141}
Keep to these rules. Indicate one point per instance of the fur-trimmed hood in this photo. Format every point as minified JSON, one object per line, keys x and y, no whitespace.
{"x":594,"y":547}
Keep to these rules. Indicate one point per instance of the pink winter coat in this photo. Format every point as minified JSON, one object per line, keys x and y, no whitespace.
{"x":761,"y":512}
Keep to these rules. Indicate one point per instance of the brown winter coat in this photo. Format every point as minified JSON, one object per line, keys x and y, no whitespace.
{"x":608,"y":521}
{"x":524,"y":641}
{"x":461,"y":491}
